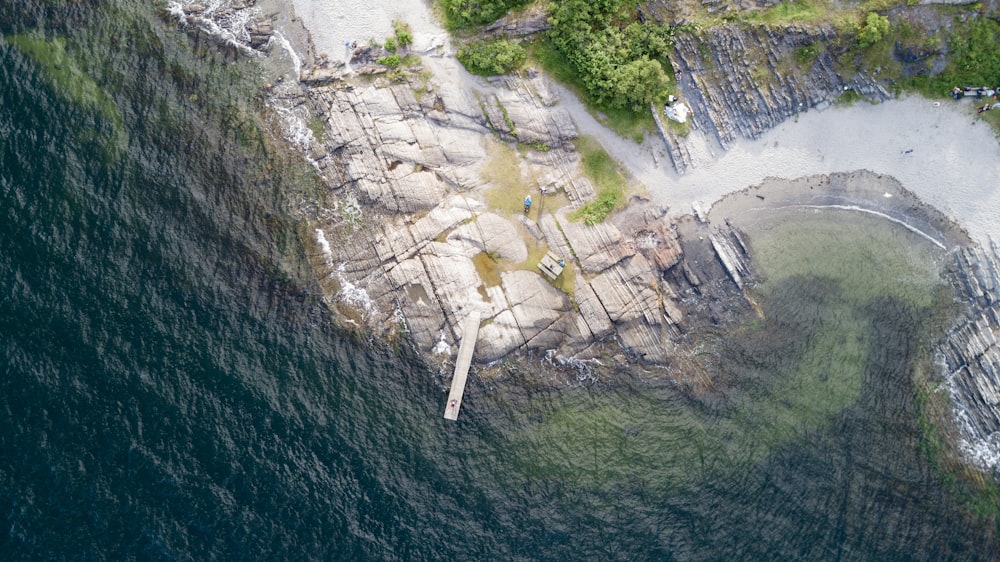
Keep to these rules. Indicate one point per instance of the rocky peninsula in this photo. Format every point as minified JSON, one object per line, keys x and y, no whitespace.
{"x":426,"y":169}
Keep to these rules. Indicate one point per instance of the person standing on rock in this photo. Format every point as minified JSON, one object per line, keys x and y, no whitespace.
{"x":527,"y":204}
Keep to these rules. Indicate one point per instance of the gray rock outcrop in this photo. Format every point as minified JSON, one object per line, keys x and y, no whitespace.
{"x":739,"y":81}
{"x":972,"y":355}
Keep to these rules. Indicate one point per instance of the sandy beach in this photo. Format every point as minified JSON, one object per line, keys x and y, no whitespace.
{"x":937,"y":150}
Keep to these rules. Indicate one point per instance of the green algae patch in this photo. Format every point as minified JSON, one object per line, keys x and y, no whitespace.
{"x":845,"y":300}
{"x":63,"y":74}
{"x":487,"y":268}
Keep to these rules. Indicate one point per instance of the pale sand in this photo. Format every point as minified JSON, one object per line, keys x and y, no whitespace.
{"x":954,"y":164}
{"x":331,"y":23}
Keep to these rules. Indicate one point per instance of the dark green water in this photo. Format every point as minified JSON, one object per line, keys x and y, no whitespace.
{"x":174,"y":390}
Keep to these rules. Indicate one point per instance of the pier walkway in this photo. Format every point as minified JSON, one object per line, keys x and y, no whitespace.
{"x":470,"y":331}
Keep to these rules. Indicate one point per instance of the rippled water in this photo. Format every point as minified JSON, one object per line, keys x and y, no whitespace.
{"x":175,"y":390}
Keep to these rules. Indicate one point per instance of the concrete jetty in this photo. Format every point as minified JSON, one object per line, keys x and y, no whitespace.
{"x":470,"y":331}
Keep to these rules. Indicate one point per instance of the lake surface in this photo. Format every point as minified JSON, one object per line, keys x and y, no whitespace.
{"x":174,"y":388}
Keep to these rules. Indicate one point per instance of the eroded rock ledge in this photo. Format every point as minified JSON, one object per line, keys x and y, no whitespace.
{"x":740,"y":82}
{"x":972,"y":355}
{"x":429,"y":246}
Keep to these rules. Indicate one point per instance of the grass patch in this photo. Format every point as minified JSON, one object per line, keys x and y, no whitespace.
{"x":503,"y":170}
{"x":536,"y":251}
{"x":607,"y":178}
{"x":790,"y":12}
{"x":849,"y":97}
{"x":626,"y":122}
{"x":678,"y":128}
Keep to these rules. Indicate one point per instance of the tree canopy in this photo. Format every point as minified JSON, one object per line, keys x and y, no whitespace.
{"x":617,"y":57}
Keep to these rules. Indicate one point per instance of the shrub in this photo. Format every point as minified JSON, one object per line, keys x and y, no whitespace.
{"x":403,"y":35}
{"x":488,"y":58}
{"x":597,"y":210}
{"x":392,"y":61}
{"x":875,"y":28}
{"x":467,"y":13}
{"x":390,"y":44}
{"x":603,"y":172}
{"x":806,"y":54}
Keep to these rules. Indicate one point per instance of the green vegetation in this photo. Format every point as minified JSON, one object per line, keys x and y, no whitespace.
{"x":973,"y":59}
{"x":317,"y":126}
{"x":618,"y":59}
{"x":974,"y":56}
{"x":403,"y":34}
{"x":506,"y":118}
{"x":64,"y":73}
{"x":806,"y":54}
{"x":461,"y":14}
{"x":788,"y":12}
{"x":874,"y":29}
{"x":489,"y":58}
{"x":609,"y":181}
{"x":624,"y":121}
{"x":390,"y":44}
{"x":391,"y":61}
{"x":849,"y":97}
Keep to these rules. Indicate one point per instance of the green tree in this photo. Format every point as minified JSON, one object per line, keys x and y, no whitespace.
{"x":617,"y":58}
{"x":637,"y":83}
{"x":467,"y":13}
{"x":874,"y":29}
{"x":489,"y":58}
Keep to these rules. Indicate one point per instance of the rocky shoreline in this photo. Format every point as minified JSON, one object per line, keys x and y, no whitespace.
{"x":971,"y":355}
{"x":411,"y":236}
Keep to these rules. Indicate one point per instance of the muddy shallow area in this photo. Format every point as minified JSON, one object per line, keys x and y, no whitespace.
{"x":858,"y":234}
{"x":859,"y":191}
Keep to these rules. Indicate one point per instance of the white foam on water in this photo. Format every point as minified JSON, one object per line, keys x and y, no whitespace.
{"x":354,"y":296}
{"x":294,"y":128}
{"x":324,"y":244}
{"x":891,"y":219}
{"x":982,"y":451}
{"x":349,"y":210}
{"x":399,"y":318}
{"x":230,"y":25}
{"x":287,"y":46}
{"x":441,"y":347}
{"x":177,"y":12}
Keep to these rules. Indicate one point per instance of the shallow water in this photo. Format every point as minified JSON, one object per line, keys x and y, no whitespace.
{"x":174,"y":388}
